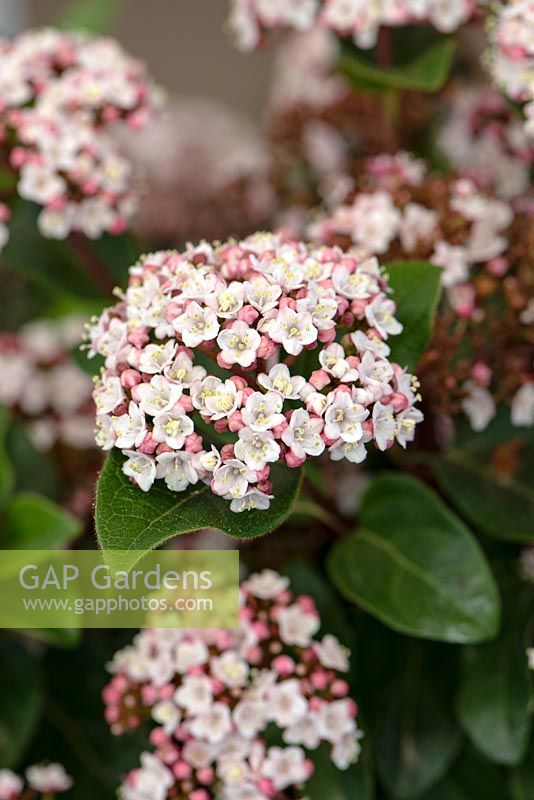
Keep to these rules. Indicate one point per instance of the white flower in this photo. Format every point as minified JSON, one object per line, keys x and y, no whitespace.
{"x":322,"y":305}
{"x":166,"y":714}
{"x":346,"y":750}
{"x":418,"y":225}
{"x":231,"y":479}
{"x":155,"y":357}
{"x":297,"y":626}
{"x":285,"y":766}
{"x":173,"y":427}
{"x":212,"y":725}
{"x":333,"y":361}
{"x":195,"y":694}
{"x":354,"y":285}
{"x":256,"y":449}
{"x":343,"y":417}
{"x":228,"y":302}
{"x":354,"y":452}
{"x":177,"y":470}
{"x":454,"y":260}
{"x":384,"y":425}
{"x":523,"y":406}
{"x":224,"y":400}
{"x":108,"y":394}
{"x":286,"y":703}
{"x":362,"y":343}
{"x":48,"y":778}
{"x":196,"y":325}
{"x":141,"y":468}
{"x":158,"y":396}
{"x":406,"y":422}
{"x":10,"y":785}
{"x":190,"y":654}
{"x":231,"y":669}
{"x":335,"y":720}
{"x":293,"y":330}
{"x":239,"y":344}
{"x":280,"y":380}
{"x":332,"y":654}
{"x":303,"y":434}
{"x":478,"y":405}
{"x":380,"y":313}
{"x":151,"y":782}
{"x":267,"y":584}
{"x":304,"y":731}
{"x":261,"y":294}
{"x":376,"y":221}
{"x":56,"y":223}
{"x":263,"y":411}
{"x":129,"y":429}
{"x":40,"y":183}
{"x":183,"y":372}
{"x":103,"y":432}
{"x":252,"y":499}
{"x":250,"y":717}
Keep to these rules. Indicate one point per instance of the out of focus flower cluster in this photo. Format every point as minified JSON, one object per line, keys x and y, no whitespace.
{"x":213,"y":694}
{"x":484,"y":139}
{"x":208,"y":341}
{"x":42,"y":384}
{"x":42,"y":781}
{"x":511,"y":53}
{"x":360,"y":19}
{"x":484,"y":331}
{"x":61,"y":94}
{"x":206,"y":174}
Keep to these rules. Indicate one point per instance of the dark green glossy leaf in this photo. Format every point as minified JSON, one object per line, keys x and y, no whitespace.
{"x":34,"y":471}
{"x":416,"y":291}
{"x":415,"y":566}
{"x":33,"y":522}
{"x":522,"y":779}
{"x":19,"y":700}
{"x":131,"y":520}
{"x":424,"y":67}
{"x":7,"y":478}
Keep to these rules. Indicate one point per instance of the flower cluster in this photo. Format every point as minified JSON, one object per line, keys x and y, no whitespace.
{"x":206,"y":174}
{"x":61,"y":94}
{"x":42,"y":780}
{"x":217,"y":339}
{"x":485,"y":252}
{"x":43,"y":385}
{"x":213,"y":693}
{"x":361,"y":19}
{"x":485,"y":140}
{"x":511,"y":54}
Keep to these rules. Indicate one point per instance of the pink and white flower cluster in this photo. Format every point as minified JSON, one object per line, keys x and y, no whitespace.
{"x":456,"y":227}
{"x":512,"y":54}
{"x":42,"y":383}
{"x":61,"y":95}
{"x":213,"y":693}
{"x":485,"y":140}
{"x":217,"y":338}
{"x":46,"y":780}
{"x":361,"y":19}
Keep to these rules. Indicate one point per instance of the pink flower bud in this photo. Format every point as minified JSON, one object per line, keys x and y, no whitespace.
{"x":182,"y":771}
{"x":227,"y":452}
{"x":284,"y":666}
{"x":193,"y":443}
{"x":186,"y":403}
{"x":327,"y":336}
{"x":319,"y":379}
{"x":130,"y":378}
{"x":293,"y":460}
{"x":206,"y":776}
{"x":481,"y":373}
{"x":148,"y":445}
{"x":248,"y":314}
{"x":239,"y":382}
{"x":235,"y":421}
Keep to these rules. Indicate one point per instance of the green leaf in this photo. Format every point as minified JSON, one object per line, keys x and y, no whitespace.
{"x":522,"y":779}
{"x":34,"y":471}
{"x":48,"y":263}
{"x":415,"y":566}
{"x":93,"y":16}
{"x":415,"y":737}
{"x":131,"y":520}
{"x":416,"y":291}
{"x":418,"y":65}
{"x":495,"y":690}
{"x":7,"y":478}
{"x":33,"y":522}
{"x":19,"y":700}
{"x":498,"y":503}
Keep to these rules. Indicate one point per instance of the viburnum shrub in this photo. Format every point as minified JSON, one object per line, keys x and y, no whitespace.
{"x":213,"y":694}
{"x":511,"y":53}
{"x":360,"y":19}
{"x":280,"y":344}
{"x":61,"y":95}
{"x":482,"y":339}
{"x":42,"y":781}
